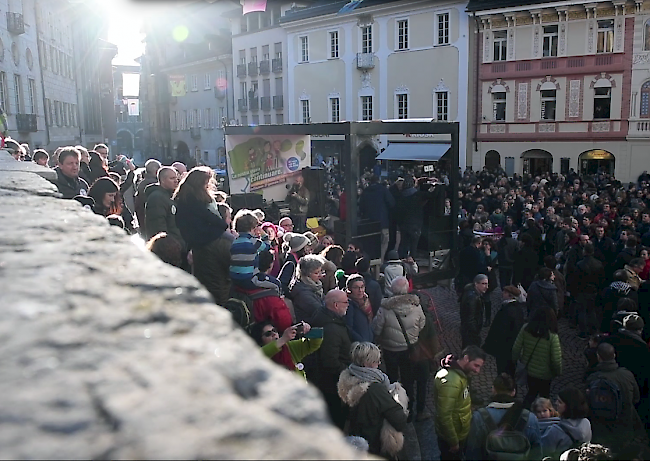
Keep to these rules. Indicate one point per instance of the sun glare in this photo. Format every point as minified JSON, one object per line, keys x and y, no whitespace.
{"x":124,"y":30}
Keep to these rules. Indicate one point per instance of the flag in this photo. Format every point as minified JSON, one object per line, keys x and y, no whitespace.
{"x":254,"y":5}
{"x":131,"y":84}
{"x":134,"y":107}
{"x":351,"y":5}
{"x":178,"y":86}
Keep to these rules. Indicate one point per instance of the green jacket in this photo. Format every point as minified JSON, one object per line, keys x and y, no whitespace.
{"x":299,"y":348}
{"x":453,"y":405}
{"x":546,"y":361}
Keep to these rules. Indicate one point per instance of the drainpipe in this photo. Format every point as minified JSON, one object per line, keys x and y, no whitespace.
{"x":40,"y":69}
{"x":476,"y":84}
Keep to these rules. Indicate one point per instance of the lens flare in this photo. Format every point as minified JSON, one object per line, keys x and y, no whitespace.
{"x":180,"y":33}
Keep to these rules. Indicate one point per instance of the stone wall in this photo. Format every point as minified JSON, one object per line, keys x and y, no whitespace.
{"x":106,"y":352}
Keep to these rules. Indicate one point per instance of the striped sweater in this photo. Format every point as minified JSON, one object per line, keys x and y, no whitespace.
{"x":244,"y":256}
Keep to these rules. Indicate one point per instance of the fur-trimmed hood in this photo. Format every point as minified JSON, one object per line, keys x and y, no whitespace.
{"x":351,"y":388}
{"x":401,"y":304}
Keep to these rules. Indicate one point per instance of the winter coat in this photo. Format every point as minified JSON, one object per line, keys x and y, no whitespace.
{"x":307,"y":303}
{"x":375,"y":204}
{"x":372,"y":405}
{"x":624,"y":258}
{"x":334,"y":354}
{"x":633,"y":353}
{"x":273,"y":309}
{"x":298,"y":348}
{"x":588,"y":278}
{"x":546,"y":361}
{"x":542,"y":294}
{"x":299,"y":204}
{"x":470,"y":265}
{"x":525,"y":267}
{"x":394,"y":268}
{"x":560,"y":284}
{"x":160,"y":212}
{"x":505,"y":327}
{"x":609,"y":301}
{"x":475,"y":448}
{"x":471,"y":315}
{"x":410,"y":209}
{"x":506,"y":248}
{"x":555,"y":439}
{"x":358,"y":323}
{"x":70,"y":187}
{"x":373,"y":290}
{"x":388,"y":333}
{"x":604,"y":250}
{"x":140,"y":200}
{"x":198,"y":225}
{"x":453,"y":404}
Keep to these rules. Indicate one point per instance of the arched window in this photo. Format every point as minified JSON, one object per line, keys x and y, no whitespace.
{"x":645,"y":100}
{"x":646,"y":36}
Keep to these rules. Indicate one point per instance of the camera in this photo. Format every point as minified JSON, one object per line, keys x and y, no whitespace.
{"x":299,"y":329}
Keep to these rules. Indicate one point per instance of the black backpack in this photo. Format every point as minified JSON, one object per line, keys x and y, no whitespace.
{"x":507,"y":441}
{"x":240,"y":305}
{"x":605,"y":399}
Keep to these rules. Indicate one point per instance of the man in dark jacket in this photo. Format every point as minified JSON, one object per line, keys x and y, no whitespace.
{"x":504,"y":330}
{"x":470,"y":264}
{"x":603,"y":247}
{"x":471,"y":311}
{"x":585,"y":283}
{"x":160,"y":209}
{"x":396,"y":191}
{"x":411,"y":217}
{"x":151,"y":168}
{"x":375,"y":204}
{"x":68,"y":181}
{"x":627,"y":254}
{"x":334,"y":355}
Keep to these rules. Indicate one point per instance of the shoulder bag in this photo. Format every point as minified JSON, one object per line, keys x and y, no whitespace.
{"x":415,"y":352}
{"x":521,"y":373}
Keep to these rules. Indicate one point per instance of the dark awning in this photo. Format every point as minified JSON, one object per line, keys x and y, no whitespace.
{"x":418,"y":151}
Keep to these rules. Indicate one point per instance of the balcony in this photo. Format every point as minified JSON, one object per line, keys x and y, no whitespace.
{"x":26,"y":123}
{"x":242,"y":106}
{"x":266,"y":102}
{"x":278,"y":102}
{"x":265,"y":67}
{"x":219,"y":92}
{"x":365,"y":61}
{"x":276,"y":65}
{"x":639,"y":128}
{"x":559,"y":65}
{"x":15,"y":23}
{"x":195,"y":132}
{"x":252,"y":69}
{"x":254,"y":103}
{"x":241,"y":70}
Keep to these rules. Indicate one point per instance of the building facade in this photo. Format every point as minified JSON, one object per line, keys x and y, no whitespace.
{"x":554,"y":86}
{"x":130,"y":129}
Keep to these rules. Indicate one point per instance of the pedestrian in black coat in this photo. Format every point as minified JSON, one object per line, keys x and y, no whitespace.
{"x":471,"y":264}
{"x":504,"y":330}
{"x":471,"y":311}
{"x":526,"y":263}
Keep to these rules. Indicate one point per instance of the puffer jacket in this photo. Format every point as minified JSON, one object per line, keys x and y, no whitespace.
{"x":385,"y":326}
{"x":394,"y":268}
{"x":546,"y":361}
{"x":307,"y":303}
{"x":453,"y":404}
{"x":542,"y":294}
{"x":556,"y":439}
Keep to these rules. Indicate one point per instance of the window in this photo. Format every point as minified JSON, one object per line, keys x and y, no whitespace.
{"x":334,"y":44}
{"x":64,"y":115}
{"x":442,"y":105}
{"x":207,"y":122}
{"x":242,"y":90}
{"x":265,"y":53}
{"x":18,"y":94}
{"x":443,"y":28}
{"x":208,"y":81}
{"x":335,"y":110}
{"x":242,"y":56}
{"x":48,"y":120}
{"x":500,"y":45}
{"x":57,"y":113}
{"x":277,"y":48}
{"x":173,"y":117}
{"x":366,"y":39}
{"x":548,"y":104}
{"x":3,"y":92}
{"x":52,"y":113}
{"x":192,"y":119}
{"x":499,"y":106}
{"x":602,"y":102}
{"x":305,"y":111}
{"x":31,"y":96}
{"x":184,"y":121}
{"x":366,"y":107}
{"x":256,"y":119}
{"x":645,"y":100}
{"x":279,"y":119}
{"x":605,"y":36}
{"x":646,"y":36}
{"x":222,"y":121}
{"x":254,"y":54}
{"x":402,"y":105}
{"x":194,"y":82}
{"x":304,"y":49}
{"x":403,"y":34}
{"x":267,"y":119}
{"x":74,"y":115}
{"x":55,"y":62}
{"x":244,"y":120}
{"x":197,"y":118}
{"x":549,"y":47}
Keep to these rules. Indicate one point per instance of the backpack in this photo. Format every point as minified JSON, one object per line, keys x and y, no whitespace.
{"x":605,"y":399}
{"x":507,"y":441}
{"x":241,"y":303}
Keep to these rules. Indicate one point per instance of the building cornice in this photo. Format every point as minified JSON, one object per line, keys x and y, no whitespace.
{"x":184,"y":65}
{"x":541,"y":6}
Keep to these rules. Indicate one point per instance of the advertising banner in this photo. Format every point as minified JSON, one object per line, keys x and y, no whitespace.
{"x":178,"y":85}
{"x":257,"y":162}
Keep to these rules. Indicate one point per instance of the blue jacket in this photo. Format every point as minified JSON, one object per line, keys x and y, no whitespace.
{"x":475,"y":445}
{"x":198,"y":225}
{"x":245,"y":256}
{"x":556,"y":437}
{"x":358,"y":323}
{"x":375,"y":203}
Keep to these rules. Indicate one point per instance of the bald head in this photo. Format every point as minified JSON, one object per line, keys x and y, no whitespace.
{"x":151,"y":167}
{"x":180,"y":167}
{"x":605,"y":352}
{"x":337,"y":302}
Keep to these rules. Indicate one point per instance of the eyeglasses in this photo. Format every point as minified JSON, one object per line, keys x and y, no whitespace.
{"x":271,"y":332}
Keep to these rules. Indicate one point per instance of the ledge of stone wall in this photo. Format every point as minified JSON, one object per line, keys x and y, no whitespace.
{"x":107,"y":352}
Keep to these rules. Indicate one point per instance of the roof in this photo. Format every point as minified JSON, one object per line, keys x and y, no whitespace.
{"x":321,"y":8}
{"x":479,"y":5}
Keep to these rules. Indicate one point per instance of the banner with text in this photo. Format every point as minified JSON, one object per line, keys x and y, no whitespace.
{"x":257,"y":162}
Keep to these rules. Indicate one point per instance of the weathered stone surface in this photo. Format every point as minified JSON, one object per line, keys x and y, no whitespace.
{"x":106,"y":352}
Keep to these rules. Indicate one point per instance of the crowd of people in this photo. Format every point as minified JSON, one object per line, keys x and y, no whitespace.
{"x":557,"y":247}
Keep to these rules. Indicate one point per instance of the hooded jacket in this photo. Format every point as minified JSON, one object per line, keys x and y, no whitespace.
{"x":556,"y":439}
{"x":160,"y":212}
{"x":453,"y":403}
{"x":372,"y":405}
{"x":544,"y":358}
{"x":394,"y":268}
{"x":542,"y":294}
{"x":385,"y":326}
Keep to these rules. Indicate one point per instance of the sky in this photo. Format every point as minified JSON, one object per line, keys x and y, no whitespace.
{"x":125,"y":22}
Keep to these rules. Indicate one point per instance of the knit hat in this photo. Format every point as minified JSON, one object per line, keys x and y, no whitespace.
{"x":313,"y":240}
{"x":633,"y":322}
{"x":296,"y":241}
{"x":392,"y":255}
{"x":267,"y":224}
{"x":514,"y":291}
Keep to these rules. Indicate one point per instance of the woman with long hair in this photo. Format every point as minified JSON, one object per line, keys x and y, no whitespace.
{"x":333,"y":255}
{"x":97,"y":167}
{"x":202,"y":227}
{"x":105,"y":193}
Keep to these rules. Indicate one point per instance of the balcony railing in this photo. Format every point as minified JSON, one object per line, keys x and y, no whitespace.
{"x":15,"y":23}
{"x":252,"y":69}
{"x":265,"y":67}
{"x":266,"y":102}
{"x":365,"y":60}
{"x":278,"y":102}
{"x":195,"y":132}
{"x":570,"y":65}
{"x":241,"y":70}
{"x":26,"y":123}
{"x":242,"y":105}
{"x":276,"y":65}
{"x":254,"y":103}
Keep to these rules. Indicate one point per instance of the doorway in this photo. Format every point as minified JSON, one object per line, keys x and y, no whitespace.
{"x":537,"y":161}
{"x":596,"y":161}
{"x":492,"y":160}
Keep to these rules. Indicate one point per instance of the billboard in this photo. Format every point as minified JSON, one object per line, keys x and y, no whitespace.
{"x":258,"y":162}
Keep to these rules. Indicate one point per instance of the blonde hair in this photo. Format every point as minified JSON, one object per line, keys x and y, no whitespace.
{"x":364,"y":353}
{"x":544,"y":403}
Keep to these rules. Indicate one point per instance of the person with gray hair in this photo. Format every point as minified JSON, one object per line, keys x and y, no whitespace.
{"x":471,"y":311}
{"x":401,"y":317}
{"x":307,"y":289}
{"x":372,"y":401}
{"x":151,"y":168}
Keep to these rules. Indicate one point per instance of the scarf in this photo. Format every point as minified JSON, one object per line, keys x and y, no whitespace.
{"x":369,"y":375}
{"x":316,"y":287}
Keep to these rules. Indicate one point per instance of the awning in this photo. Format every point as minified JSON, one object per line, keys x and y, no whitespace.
{"x":418,"y":151}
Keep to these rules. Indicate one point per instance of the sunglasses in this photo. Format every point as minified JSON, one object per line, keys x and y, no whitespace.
{"x":268,"y":334}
